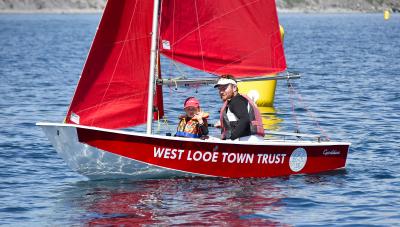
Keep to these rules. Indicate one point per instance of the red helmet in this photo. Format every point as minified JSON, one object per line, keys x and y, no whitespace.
{"x":191,"y":101}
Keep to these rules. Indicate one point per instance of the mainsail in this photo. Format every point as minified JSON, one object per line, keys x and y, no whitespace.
{"x":235,"y":37}
{"x":113,"y":89}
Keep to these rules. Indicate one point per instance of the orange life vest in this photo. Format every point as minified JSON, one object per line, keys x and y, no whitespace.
{"x":188,"y":127}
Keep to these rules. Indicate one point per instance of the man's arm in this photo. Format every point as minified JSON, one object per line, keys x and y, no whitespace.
{"x":238,"y":106}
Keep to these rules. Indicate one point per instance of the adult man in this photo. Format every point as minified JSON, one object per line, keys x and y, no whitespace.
{"x":239,"y":118}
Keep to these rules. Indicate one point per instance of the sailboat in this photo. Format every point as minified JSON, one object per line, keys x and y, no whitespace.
{"x":121,"y":87}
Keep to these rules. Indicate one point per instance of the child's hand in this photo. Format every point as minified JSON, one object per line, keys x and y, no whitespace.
{"x":199,"y":117}
{"x":217,"y":124}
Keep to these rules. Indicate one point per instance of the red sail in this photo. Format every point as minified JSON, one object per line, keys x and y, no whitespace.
{"x":113,"y":89}
{"x":235,"y":37}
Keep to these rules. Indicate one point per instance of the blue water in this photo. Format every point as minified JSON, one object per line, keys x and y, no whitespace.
{"x":350,"y":66}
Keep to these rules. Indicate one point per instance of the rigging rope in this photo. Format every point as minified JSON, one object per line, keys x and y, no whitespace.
{"x":200,"y":40}
{"x":290,"y":87}
{"x":309,"y":112}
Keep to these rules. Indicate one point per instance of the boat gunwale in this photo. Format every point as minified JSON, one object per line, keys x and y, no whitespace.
{"x":265,"y":142}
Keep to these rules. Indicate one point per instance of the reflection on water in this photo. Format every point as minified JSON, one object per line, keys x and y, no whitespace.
{"x":180,"y":201}
{"x":270,"y":118}
{"x":199,"y":201}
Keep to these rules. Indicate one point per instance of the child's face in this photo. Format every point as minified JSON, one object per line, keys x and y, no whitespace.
{"x":191,"y":111}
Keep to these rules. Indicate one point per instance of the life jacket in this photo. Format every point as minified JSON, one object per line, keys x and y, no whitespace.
{"x":190,"y":127}
{"x":256,"y":126}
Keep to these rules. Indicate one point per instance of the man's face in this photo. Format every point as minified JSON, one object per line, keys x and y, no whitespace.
{"x":226,"y":91}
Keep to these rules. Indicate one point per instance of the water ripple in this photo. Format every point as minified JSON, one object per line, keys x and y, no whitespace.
{"x":350,"y":81}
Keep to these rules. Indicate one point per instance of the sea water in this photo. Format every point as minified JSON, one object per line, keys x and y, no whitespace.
{"x":349,"y":90}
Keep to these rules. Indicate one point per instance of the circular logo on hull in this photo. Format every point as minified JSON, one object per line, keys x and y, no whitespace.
{"x":298,"y":159}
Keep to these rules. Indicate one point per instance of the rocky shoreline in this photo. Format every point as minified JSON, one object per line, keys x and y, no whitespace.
{"x":338,"y":6}
{"x":304,"y":6}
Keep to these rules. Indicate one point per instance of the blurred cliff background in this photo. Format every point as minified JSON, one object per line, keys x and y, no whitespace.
{"x":283,"y":5}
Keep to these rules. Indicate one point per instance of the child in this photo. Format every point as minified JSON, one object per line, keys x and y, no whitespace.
{"x":194,"y":123}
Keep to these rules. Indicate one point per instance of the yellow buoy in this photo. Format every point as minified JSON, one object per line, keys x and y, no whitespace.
{"x":282,"y":31}
{"x":262,"y":92}
{"x":386,"y":14}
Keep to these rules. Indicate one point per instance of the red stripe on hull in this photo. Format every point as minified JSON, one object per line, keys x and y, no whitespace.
{"x":219,"y":159}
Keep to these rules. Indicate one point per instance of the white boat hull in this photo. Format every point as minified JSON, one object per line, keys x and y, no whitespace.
{"x":95,"y":163}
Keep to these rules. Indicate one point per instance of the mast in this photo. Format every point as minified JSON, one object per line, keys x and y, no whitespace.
{"x":153,"y":59}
